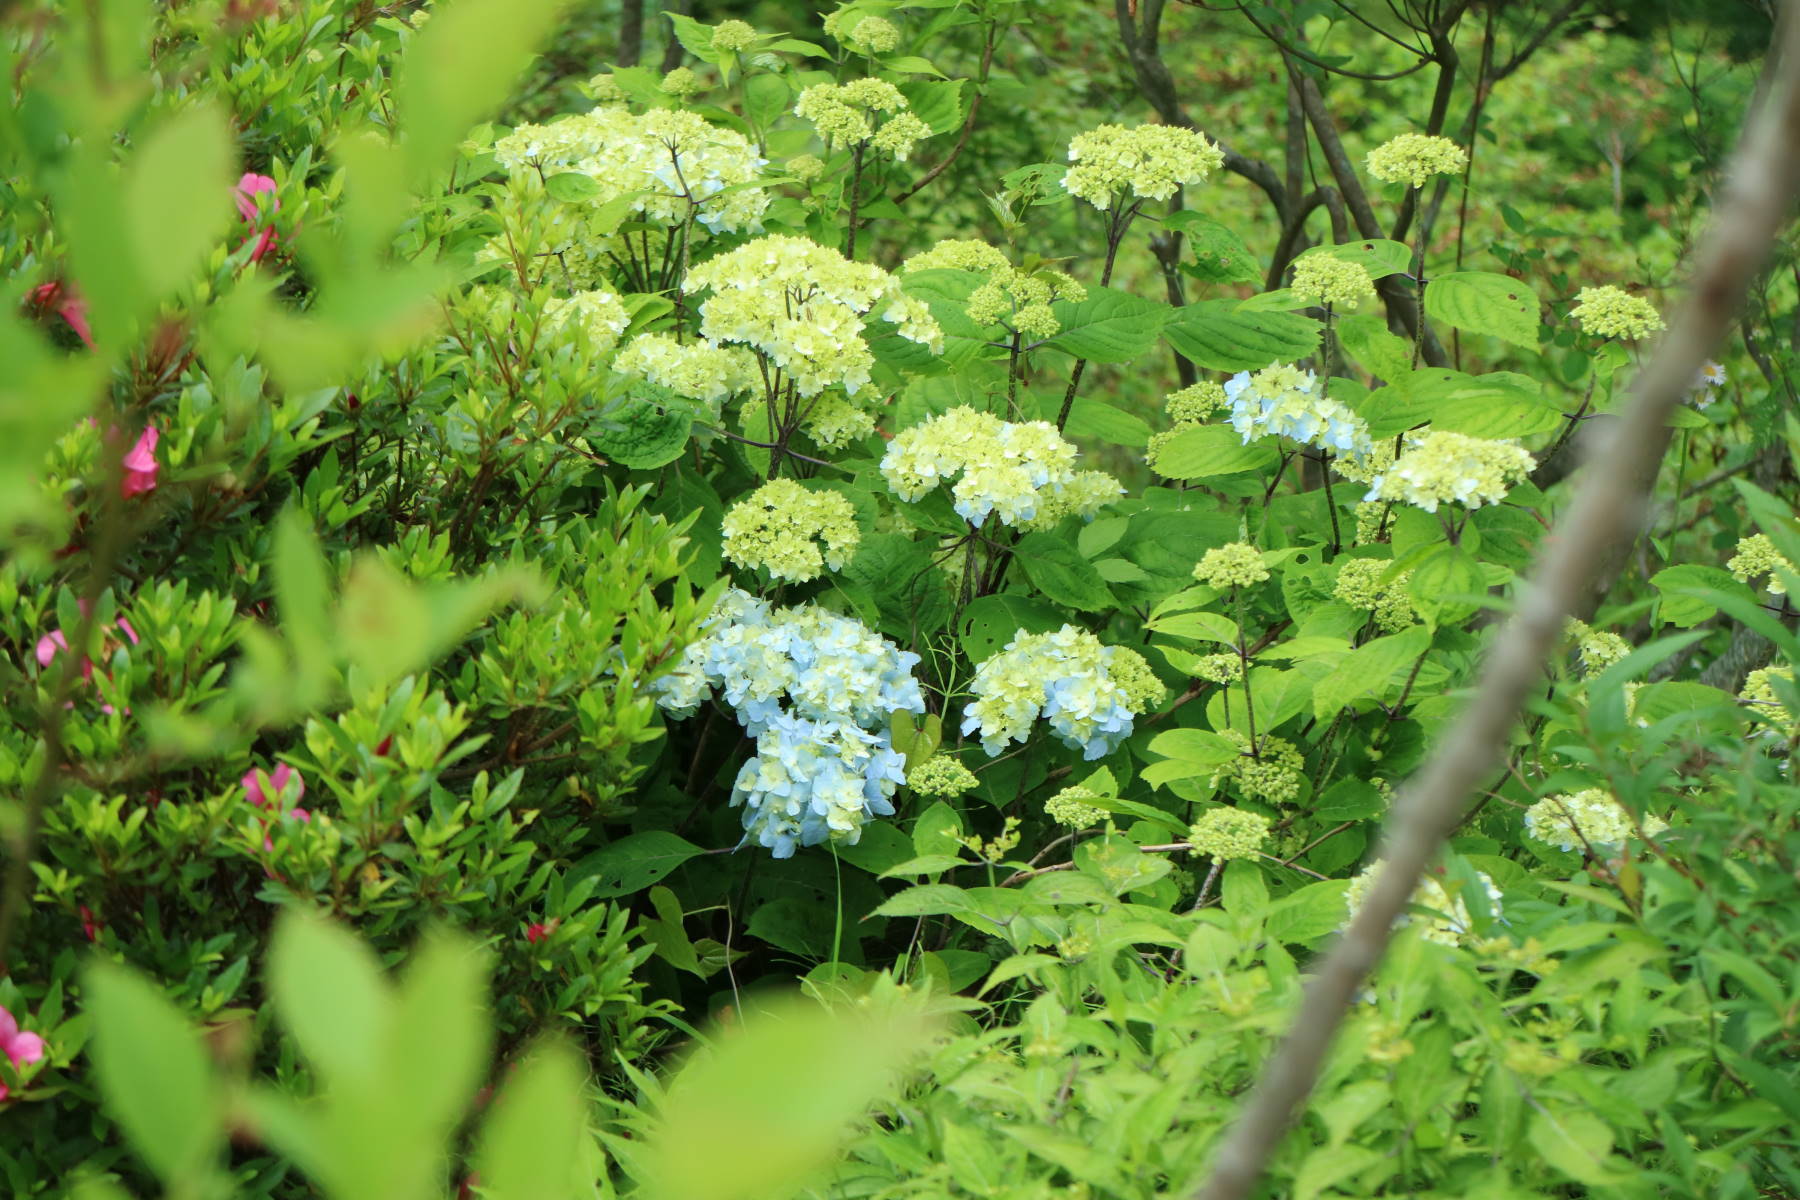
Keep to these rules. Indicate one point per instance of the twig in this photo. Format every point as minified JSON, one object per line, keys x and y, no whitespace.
{"x":1758,"y":196}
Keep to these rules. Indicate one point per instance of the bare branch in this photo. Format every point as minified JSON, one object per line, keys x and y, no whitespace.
{"x":1622,"y":462}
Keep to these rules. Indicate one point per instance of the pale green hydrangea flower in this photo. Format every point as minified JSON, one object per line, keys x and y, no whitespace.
{"x":1760,"y":697}
{"x":1413,"y":158}
{"x":1371,"y":518}
{"x":681,"y":83}
{"x":1065,"y":677}
{"x":1326,"y":279}
{"x":1273,"y":774}
{"x":1236,"y":564}
{"x":1596,"y":648}
{"x":780,"y":526}
{"x":1360,"y":584}
{"x":1613,"y":312}
{"x":1085,"y":494}
{"x":1131,"y":671}
{"x":834,"y":421}
{"x":1011,"y":470}
{"x":802,"y":306}
{"x":1450,"y":922}
{"x":871,"y":35}
{"x":1219,"y":668}
{"x":847,"y":115}
{"x":806,"y":167}
{"x":1072,"y":807}
{"x":1195,"y":403}
{"x":1439,"y":468}
{"x":1757,"y":556}
{"x":733,"y":36}
{"x":1228,"y":833}
{"x":941,"y":777}
{"x":596,"y":318}
{"x":711,"y":374}
{"x":1590,"y":816}
{"x":605,"y":89}
{"x":1151,"y":162}
{"x":1019,"y":299}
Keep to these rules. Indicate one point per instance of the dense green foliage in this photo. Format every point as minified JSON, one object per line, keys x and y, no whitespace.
{"x":969,"y":510}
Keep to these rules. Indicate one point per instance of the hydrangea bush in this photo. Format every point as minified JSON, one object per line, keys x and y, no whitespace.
{"x":747,"y":522}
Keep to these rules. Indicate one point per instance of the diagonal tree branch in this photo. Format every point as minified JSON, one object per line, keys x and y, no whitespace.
{"x":1757,"y":199}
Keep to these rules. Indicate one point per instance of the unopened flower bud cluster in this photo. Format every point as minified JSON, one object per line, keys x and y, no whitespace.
{"x":1361,"y":583}
{"x":1756,"y":557}
{"x":1228,"y":833}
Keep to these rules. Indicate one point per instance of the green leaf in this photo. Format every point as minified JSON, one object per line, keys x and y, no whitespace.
{"x":694,"y":37}
{"x":1057,"y":569}
{"x":1447,"y":585}
{"x":1244,"y":892}
{"x":764,"y":1104}
{"x":1379,"y":256}
{"x":1483,"y":302}
{"x":1676,"y":587}
{"x":1218,"y":335}
{"x":329,"y":992}
{"x":154,"y":1075}
{"x":571,"y":187}
{"x":1500,"y":404}
{"x":766,"y":97}
{"x":1368,"y":670}
{"x":438,"y":1052}
{"x":178,"y":197}
{"x":633,"y":863}
{"x":938,"y":103}
{"x":303,"y":599}
{"x":1100,"y":420}
{"x":459,"y":69}
{"x":1220,"y":256}
{"x":989,"y":622}
{"x":1109,"y":326}
{"x":1197,"y":626}
{"x":1207,"y":451}
{"x":1365,"y":338}
{"x":645,"y":435}
{"x":531,"y":1139}
{"x":1577,"y":1143}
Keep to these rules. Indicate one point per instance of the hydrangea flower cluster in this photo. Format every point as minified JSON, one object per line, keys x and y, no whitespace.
{"x":1227,"y":833}
{"x":1015,"y":471}
{"x":834,"y":421}
{"x":1290,"y":402}
{"x":781,"y":525}
{"x":1449,"y":924}
{"x":847,"y":114}
{"x":1590,"y":817}
{"x":1596,"y":648}
{"x":710,"y":374}
{"x":1613,"y":312}
{"x":941,"y":777}
{"x":1219,"y":668}
{"x":595,"y":318}
{"x":654,"y":162}
{"x":1326,"y":279}
{"x":1150,"y":161}
{"x":681,"y":83}
{"x":733,"y":36}
{"x":816,"y":691}
{"x":1274,"y":774}
{"x":1413,"y":158}
{"x":1760,"y":697}
{"x":1074,"y":807}
{"x":1360,"y":584}
{"x":869,"y":35}
{"x":1068,"y":678}
{"x":801,"y":306}
{"x":1235,"y":564}
{"x":1438,"y":468}
{"x":1019,"y":299}
{"x":1757,"y":556}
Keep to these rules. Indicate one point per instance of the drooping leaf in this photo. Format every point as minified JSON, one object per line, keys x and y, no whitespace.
{"x":1483,"y":302}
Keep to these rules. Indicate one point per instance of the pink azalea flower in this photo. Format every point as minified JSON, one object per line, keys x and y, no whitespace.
{"x":141,"y":465}
{"x":537,"y":931}
{"x":90,"y":925}
{"x":248,"y":188}
{"x":22,"y":1048}
{"x":68,"y":305}
{"x":55,"y":642}
{"x":278,"y":779}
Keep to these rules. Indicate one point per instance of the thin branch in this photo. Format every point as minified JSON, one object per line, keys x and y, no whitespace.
{"x":1757,"y":200}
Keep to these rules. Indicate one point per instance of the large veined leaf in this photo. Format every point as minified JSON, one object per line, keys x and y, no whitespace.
{"x":1497,"y":405}
{"x":1057,"y":569}
{"x":1211,"y":450}
{"x":1367,"y":671}
{"x":1109,"y":326}
{"x":1483,"y":302}
{"x":1220,"y":255}
{"x":1220,"y":335}
{"x":1380,"y":257}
